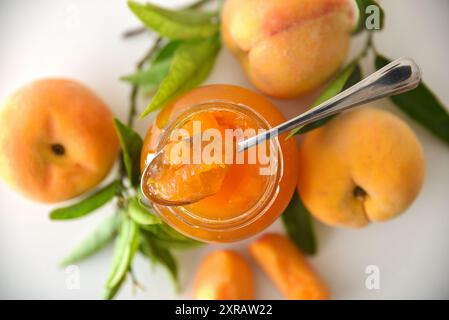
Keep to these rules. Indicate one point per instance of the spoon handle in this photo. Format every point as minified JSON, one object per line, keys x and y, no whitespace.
{"x":399,"y":76}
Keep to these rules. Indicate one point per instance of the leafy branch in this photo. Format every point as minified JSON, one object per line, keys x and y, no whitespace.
{"x":135,"y":226}
{"x":190,"y":46}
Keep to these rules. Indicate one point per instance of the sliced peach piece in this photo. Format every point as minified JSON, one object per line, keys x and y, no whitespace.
{"x":223,"y":275}
{"x":287,"y":268}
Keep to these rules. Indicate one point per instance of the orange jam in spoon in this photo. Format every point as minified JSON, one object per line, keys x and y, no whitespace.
{"x":180,"y":173}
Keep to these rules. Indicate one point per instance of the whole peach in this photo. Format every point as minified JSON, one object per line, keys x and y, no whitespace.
{"x":288,"y":47}
{"x":57,"y":140}
{"x":365,"y":165}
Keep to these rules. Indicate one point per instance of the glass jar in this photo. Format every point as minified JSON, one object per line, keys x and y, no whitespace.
{"x":247,"y":204}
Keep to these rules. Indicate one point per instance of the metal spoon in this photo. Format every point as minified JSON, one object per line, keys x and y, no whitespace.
{"x":397,"y":77}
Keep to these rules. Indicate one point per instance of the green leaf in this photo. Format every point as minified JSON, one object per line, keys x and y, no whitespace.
{"x":167,"y":51}
{"x":298,"y":222}
{"x":176,"y":24}
{"x":159,"y":255}
{"x":131,"y":144}
{"x":151,"y":77}
{"x":363,"y":15}
{"x":423,"y":106}
{"x":110,"y":293}
{"x":87,"y":205}
{"x":97,"y":240}
{"x":169,"y":238}
{"x":347,"y":78}
{"x":140,"y":214}
{"x":125,"y":248}
{"x":191,"y":64}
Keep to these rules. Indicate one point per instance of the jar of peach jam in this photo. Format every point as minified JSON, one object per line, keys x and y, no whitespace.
{"x":247,"y":201}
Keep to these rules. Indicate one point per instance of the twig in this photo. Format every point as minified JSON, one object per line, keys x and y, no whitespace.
{"x":135,"y":282}
{"x":135,"y":88}
{"x":368,"y":46}
{"x":133,"y":102}
{"x":134,"y":32}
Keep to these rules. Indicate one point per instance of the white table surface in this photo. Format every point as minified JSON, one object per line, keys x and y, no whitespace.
{"x":81,"y":40}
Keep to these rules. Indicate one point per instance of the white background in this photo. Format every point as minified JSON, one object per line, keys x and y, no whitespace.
{"x":81,"y":40}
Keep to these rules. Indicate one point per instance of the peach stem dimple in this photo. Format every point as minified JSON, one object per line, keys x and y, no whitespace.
{"x":359,"y":193}
{"x":58,"y":149}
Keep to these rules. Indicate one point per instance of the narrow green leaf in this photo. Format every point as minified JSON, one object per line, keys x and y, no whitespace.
{"x":97,"y":240}
{"x":125,"y":248}
{"x":110,"y":293}
{"x":299,"y":225}
{"x":347,"y":78}
{"x":151,"y":77}
{"x":164,"y":231}
{"x":169,"y":238}
{"x":176,"y":24}
{"x":167,"y":51}
{"x":423,"y":106}
{"x":191,"y":65}
{"x":363,"y":15}
{"x":131,"y":144}
{"x":199,"y":77}
{"x":140,"y":214}
{"x":159,"y":255}
{"x":87,"y":205}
